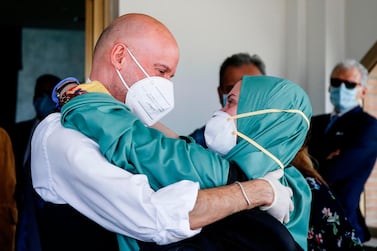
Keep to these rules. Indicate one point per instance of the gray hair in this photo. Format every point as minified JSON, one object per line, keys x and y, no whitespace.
{"x":350,"y":64}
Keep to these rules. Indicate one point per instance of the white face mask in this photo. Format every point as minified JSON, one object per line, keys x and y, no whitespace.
{"x":220,"y":133}
{"x":150,"y":98}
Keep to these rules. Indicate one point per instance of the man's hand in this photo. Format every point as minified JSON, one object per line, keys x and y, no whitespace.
{"x":282,"y":205}
{"x":333,"y":154}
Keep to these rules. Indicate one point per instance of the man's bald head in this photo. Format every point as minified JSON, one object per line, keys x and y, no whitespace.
{"x":149,"y":40}
{"x":133,"y":29}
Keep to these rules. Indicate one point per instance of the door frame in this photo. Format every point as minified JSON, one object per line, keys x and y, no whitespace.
{"x":98,"y":15}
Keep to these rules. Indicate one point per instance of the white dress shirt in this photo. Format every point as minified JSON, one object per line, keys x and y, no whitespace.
{"x":68,"y":168}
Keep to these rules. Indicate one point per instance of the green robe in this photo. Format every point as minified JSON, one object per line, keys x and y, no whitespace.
{"x":127,"y":143}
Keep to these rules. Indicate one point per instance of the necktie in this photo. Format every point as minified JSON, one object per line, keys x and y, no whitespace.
{"x":332,"y":120}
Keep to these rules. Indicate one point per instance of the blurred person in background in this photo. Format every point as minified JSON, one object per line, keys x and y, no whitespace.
{"x":232,"y":70}
{"x":27,"y":228}
{"x":344,"y":142}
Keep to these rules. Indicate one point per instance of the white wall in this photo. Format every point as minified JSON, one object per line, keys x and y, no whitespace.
{"x":208,"y":32}
{"x":361,"y":23}
{"x":298,"y":39}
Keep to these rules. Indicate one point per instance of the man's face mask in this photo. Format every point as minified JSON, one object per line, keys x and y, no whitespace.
{"x":44,"y":106}
{"x":343,"y":98}
{"x":150,"y":98}
{"x":221,"y":132}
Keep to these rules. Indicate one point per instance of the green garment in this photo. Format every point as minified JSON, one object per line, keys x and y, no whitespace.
{"x":127,"y":143}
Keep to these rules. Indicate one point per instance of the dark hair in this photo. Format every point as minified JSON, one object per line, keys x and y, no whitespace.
{"x":45,"y":84}
{"x":240,"y":59}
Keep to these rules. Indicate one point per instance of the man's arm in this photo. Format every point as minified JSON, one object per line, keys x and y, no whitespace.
{"x":165,"y":130}
{"x":358,"y":154}
{"x":74,"y":172}
{"x":216,"y":203}
{"x":267,"y":193}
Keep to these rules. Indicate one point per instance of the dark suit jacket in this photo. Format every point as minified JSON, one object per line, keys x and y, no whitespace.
{"x":355,"y":135}
{"x":198,"y":135}
{"x":46,"y":226}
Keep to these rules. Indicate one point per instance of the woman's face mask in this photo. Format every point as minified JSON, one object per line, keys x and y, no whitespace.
{"x":221,"y":132}
{"x":150,"y":98}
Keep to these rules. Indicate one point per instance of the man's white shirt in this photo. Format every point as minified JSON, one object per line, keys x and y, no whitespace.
{"x":68,"y":168}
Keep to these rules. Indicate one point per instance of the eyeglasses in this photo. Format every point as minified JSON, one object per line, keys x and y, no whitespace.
{"x":336,"y":82}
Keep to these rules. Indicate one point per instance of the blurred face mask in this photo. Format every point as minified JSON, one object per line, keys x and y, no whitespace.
{"x":343,"y":98}
{"x":224,"y":96}
{"x":150,"y":98}
{"x":221,"y":133}
{"x":44,"y":106}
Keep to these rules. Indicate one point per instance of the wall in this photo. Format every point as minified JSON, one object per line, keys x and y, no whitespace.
{"x":370,"y":191}
{"x":298,"y":39}
{"x":208,"y":32}
{"x":59,"y":52}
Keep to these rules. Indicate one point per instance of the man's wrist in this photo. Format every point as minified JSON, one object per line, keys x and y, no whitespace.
{"x":259,"y":192}
{"x":244,"y":194}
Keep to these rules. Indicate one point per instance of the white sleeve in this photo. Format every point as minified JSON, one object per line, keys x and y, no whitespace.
{"x":67,"y":167}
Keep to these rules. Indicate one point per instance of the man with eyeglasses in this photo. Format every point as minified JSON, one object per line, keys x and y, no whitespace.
{"x":345,"y":142}
{"x":232,"y":69}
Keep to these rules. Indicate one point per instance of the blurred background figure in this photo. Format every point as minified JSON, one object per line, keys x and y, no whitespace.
{"x":232,"y":70}
{"x":345,"y":142}
{"x":43,"y":106}
{"x":8,"y":206}
{"x":27,"y":229}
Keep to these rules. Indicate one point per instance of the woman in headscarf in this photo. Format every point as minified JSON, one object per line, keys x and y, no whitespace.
{"x":273,"y":117}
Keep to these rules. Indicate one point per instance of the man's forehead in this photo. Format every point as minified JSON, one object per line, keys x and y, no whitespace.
{"x":347,"y":73}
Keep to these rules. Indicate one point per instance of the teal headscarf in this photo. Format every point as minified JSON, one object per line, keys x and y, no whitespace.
{"x":280,"y":133}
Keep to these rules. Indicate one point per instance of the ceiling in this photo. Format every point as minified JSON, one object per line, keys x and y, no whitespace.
{"x":49,"y":14}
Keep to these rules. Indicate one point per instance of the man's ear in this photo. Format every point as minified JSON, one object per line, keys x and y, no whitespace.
{"x":118,"y":53}
{"x":362,"y":92}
